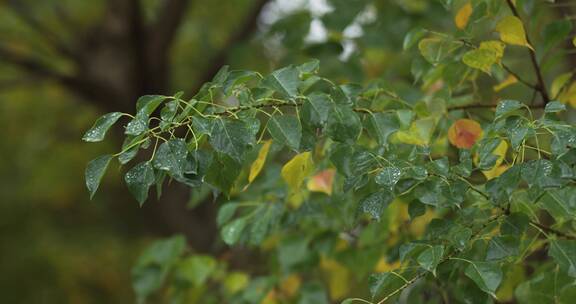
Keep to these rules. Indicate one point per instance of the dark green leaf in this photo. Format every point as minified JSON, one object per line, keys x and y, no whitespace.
{"x":515,"y":224}
{"x":383,"y":284}
{"x":231,"y":137}
{"x":315,"y":110}
{"x":171,"y":157}
{"x":382,"y":125}
{"x":285,"y":81}
{"x":139,"y":179}
{"x":486,"y":275}
{"x":555,"y":107}
{"x":564,"y":253}
{"x":556,"y":32}
{"x":375,"y":203}
{"x":101,"y":126}
{"x":431,"y":257}
{"x":389,"y":176}
{"x":502,"y":247}
{"x":137,"y":126}
{"x":95,"y":171}
{"x":223,"y":172}
{"x":507,"y":107}
{"x":286,"y":130}
{"x":343,"y":124}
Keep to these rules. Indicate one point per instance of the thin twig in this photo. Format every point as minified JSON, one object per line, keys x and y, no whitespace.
{"x":541,"y":84}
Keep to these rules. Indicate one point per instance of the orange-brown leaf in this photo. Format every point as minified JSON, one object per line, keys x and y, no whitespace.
{"x":322,"y":182}
{"x":464,"y":133}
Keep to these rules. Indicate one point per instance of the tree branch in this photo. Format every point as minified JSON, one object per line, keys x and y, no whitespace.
{"x":541,"y":87}
{"x":244,"y":32}
{"x":29,"y":64}
{"x":553,"y":231}
{"x":23,"y":13}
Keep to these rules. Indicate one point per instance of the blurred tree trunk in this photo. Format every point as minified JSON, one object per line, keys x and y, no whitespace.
{"x":120,"y":59}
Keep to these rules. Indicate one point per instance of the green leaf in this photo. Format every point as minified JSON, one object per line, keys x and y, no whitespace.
{"x":232,"y":231}
{"x":375,"y":203}
{"x":382,"y":125}
{"x":286,"y":130}
{"x":232,"y":137}
{"x":383,"y":284}
{"x":223,"y":172}
{"x":564,"y":253}
{"x":436,"y":49}
{"x":555,"y":107}
{"x":431,"y":257}
{"x":196,"y":269}
{"x":310,"y":67}
{"x":225,"y":213}
{"x":139,"y":179}
{"x":559,"y":83}
{"x":285,"y":81}
{"x":507,"y":107}
{"x":153,"y":266}
{"x":101,"y":126}
{"x":389,"y":176}
{"x":343,"y":124}
{"x":486,"y":275}
{"x":481,"y":59}
{"x":147,"y":104}
{"x":137,"y":126}
{"x":556,"y":32}
{"x":502,"y":247}
{"x":315,"y":110}
{"x":171,"y":157}
{"x":412,"y":37}
{"x":515,"y":224}
{"x":560,"y":203}
{"x":516,"y":129}
{"x":95,"y":171}
{"x":548,"y":286}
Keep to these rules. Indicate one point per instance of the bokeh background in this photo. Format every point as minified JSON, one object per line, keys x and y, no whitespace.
{"x":63,"y":63}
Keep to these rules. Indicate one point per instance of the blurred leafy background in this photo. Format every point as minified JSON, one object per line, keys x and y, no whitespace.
{"x":63,"y":63}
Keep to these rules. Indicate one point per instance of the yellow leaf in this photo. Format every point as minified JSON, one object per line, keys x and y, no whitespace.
{"x":514,"y":276}
{"x":258,"y":164}
{"x":322,"y":182}
{"x":482,"y":58}
{"x":464,"y":133}
{"x":512,"y":31}
{"x":510,"y":80}
{"x":384,"y":266}
{"x":495,"y":172}
{"x":463,"y":16}
{"x":297,"y":169}
{"x":338,"y":277}
{"x":290,"y":285}
{"x":569,"y":95}
{"x":496,"y":46}
{"x":419,"y":133}
{"x":559,"y":83}
{"x":236,"y":281}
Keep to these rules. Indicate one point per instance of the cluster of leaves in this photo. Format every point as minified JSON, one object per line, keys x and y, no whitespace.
{"x":335,"y":182}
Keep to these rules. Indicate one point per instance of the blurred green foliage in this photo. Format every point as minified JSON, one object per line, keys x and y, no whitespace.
{"x":56,"y":246}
